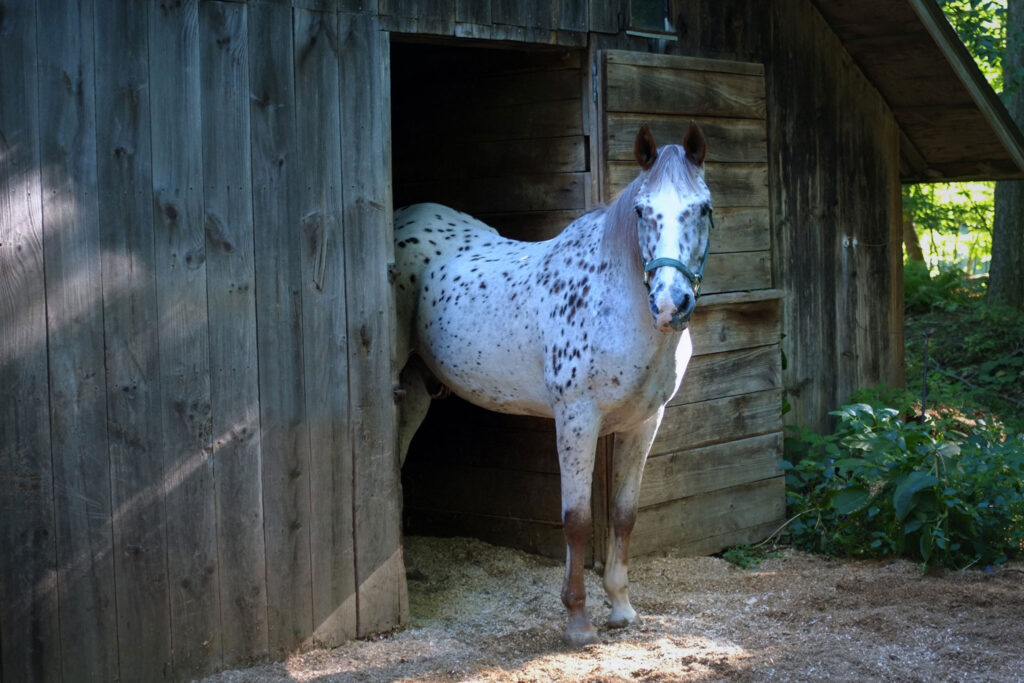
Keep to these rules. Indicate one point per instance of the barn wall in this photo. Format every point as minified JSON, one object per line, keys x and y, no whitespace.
{"x":196,"y":432}
{"x":834,"y":153}
{"x":197,"y":464}
{"x":833,"y":148}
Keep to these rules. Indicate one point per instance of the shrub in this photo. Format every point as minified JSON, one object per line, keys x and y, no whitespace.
{"x":922,"y":292}
{"x":947,"y":491}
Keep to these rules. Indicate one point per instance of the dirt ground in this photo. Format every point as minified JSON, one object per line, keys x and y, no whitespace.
{"x":481,"y":613}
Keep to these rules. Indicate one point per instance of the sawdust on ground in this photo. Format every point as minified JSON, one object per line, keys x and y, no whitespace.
{"x":482,"y":613}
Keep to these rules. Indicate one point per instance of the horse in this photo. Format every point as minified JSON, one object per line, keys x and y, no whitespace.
{"x":589,"y":328}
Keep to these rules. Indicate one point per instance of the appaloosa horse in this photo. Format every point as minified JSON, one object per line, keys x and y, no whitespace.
{"x":589,"y":328}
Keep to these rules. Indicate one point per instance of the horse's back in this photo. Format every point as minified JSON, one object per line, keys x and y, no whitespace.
{"x":465,"y":307}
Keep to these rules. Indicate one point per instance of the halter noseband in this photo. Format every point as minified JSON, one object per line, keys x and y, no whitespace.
{"x":696,"y":279}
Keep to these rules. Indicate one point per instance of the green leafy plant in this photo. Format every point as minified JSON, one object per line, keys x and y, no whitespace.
{"x":747,"y":556}
{"x":947,"y":291}
{"x":970,"y":351}
{"x":946,"y":491}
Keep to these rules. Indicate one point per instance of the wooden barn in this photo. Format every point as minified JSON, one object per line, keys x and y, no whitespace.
{"x":198,"y":465}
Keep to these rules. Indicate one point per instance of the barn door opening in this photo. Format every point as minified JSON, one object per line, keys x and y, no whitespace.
{"x":501,"y":134}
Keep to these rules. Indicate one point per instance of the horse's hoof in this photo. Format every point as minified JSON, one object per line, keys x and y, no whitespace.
{"x":580,"y":632}
{"x":623,"y":618}
{"x":580,"y":638}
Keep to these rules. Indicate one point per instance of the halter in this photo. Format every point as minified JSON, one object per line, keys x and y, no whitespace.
{"x":696,"y":279}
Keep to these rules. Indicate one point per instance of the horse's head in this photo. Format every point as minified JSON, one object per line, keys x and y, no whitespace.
{"x":673,"y":213}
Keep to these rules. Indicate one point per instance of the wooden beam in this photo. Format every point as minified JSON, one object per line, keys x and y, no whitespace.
{"x":967,"y":71}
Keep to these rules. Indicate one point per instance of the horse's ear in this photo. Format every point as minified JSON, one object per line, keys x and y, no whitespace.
{"x":644,"y":148}
{"x":695,"y":145}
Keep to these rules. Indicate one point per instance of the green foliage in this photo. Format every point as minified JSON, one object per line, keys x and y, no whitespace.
{"x":975,"y":348}
{"x":923,"y":292}
{"x":747,"y":556}
{"x":953,"y":223}
{"x":948,"y":492}
{"x":981,"y":25}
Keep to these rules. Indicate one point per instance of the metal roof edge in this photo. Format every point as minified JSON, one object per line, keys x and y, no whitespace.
{"x":947,"y":40}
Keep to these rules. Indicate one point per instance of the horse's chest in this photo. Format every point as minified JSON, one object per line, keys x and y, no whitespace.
{"x":638,"y":383}
{"x":616,"y":359}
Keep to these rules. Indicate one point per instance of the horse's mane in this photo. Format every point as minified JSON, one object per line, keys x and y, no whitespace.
{"x":671,"y":166}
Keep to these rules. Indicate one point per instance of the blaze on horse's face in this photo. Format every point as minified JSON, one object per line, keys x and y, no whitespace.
{"x":673,"y":211}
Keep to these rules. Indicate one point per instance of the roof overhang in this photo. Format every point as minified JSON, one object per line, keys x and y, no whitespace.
{"x":953,"y":125}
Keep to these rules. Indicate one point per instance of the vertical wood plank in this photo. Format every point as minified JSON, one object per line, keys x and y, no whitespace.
{"x":319,"y":184}
{"x":572,"y":15}
{"x":29,"y":637}
{"x":285,"y":439}
{"x":137,"y":471}
{"x":231,"y":292}
{"x":435,"y":17}
{"x":609,"y":16}
{"x":365,"y":141}
{"x":801,"y":221}
{"x":78,"y":399}
{"x":522,"y":13}
{"x":473,"y":12}
{"x":184,"y":361}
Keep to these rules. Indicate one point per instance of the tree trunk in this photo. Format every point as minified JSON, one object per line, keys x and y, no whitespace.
{"x":911,"y":240}
{"x":1006,"y":273}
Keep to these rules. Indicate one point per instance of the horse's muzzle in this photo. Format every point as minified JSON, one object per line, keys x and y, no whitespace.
{"x":677,"y":323}
{"x":673,"y":318}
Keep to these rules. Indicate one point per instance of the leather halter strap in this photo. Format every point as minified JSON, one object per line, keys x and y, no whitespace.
{"x":695,"y":278}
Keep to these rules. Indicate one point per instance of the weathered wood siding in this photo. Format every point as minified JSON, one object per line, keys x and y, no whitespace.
{"x":834,"y":151}
{"x":197,"y":464}
{"x":555,"y":22}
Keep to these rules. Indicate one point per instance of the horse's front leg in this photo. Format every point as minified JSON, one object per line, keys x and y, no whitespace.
{"x":577,"y":428}
{"x":629,"y":456}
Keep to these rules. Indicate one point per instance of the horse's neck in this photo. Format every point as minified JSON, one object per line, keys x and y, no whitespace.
{"x":620,"y":245}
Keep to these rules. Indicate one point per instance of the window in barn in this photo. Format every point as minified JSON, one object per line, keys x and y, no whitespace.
{"x":651,"y":19}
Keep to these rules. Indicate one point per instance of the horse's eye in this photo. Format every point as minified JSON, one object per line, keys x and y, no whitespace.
{"x":639,"y":212}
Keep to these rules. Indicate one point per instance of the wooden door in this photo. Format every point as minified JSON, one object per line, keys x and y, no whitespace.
{"x":712,"y":479}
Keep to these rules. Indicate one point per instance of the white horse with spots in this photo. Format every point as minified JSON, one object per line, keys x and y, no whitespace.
{"x":589,"y":328}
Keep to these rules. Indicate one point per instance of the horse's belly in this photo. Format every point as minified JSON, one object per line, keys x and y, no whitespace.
{"x":488,"y":365}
